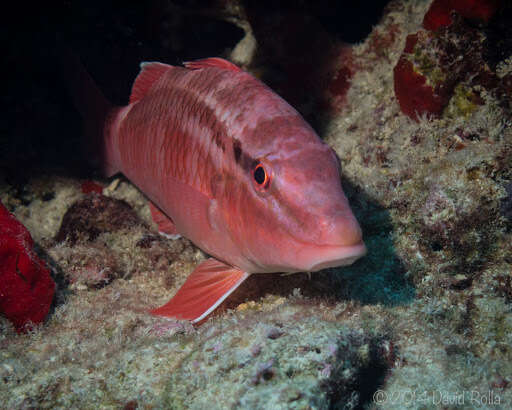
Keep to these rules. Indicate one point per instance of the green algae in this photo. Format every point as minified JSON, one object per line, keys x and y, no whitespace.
{"x":463,"y":102}
{"x":425,"y":64}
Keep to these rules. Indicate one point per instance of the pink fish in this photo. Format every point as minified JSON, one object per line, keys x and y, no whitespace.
{"x":230,"y":165}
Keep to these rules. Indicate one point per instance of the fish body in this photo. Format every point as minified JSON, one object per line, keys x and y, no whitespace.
{"x":230,"y":165}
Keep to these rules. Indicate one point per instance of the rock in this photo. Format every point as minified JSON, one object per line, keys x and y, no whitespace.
{"x":92,"y":266}
{"x":93,"y":215}
{"x":313,"y":364}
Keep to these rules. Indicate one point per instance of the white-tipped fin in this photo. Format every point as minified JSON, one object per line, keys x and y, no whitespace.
{"x":203,"y":291}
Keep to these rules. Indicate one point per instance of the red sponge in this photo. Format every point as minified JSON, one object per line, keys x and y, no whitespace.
{"x":439,"y":13}
{"x":26,"y":287}
{"x":414,"y":94}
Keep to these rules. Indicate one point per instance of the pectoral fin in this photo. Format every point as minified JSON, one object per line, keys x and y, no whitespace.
{"x":205,"y":289}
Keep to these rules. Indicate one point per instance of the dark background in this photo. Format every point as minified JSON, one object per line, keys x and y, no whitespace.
{"x":40,"y":128}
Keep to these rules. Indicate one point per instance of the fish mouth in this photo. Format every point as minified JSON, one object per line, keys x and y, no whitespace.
{"x":332,"y":256}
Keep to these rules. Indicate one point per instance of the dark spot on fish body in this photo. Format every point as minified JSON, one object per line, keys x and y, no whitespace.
{"x":237,"y":150}
{"x":241,"y":158}
{"x":218,"y":131}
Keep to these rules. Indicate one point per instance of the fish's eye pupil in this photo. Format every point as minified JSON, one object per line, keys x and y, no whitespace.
{"x":259,"y":174}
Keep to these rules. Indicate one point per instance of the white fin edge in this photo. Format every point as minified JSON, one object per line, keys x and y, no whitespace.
{"x":221,"y":299}
{"x":170,"y":236}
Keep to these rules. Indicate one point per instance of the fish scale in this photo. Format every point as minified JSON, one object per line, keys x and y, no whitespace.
{"x":183,"y":139}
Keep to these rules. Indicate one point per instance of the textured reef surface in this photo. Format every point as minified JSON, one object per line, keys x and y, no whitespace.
{"x":419,"y":113}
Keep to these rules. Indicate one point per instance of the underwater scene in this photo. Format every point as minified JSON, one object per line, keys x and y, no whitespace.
{"x":237,"y":204}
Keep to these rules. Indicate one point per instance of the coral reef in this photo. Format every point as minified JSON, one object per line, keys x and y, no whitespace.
{"x":423,"y":321}
{"x":447,"y":63}
{"x":278,"y":365}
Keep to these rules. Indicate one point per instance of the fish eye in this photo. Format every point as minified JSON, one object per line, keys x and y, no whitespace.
{"x":261,"y":176}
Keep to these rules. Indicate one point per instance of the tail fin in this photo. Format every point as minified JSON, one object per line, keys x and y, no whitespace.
{"x":97,"y":112}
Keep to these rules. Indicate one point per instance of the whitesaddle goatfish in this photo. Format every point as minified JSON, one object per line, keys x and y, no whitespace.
{"x":230,"y":165}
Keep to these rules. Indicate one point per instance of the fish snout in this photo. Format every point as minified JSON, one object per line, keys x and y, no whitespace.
{"x":340,"y":230}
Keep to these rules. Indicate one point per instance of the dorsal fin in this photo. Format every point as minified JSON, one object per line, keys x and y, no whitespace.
{"x":149,"y":74}
{"x":211,"y":62}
